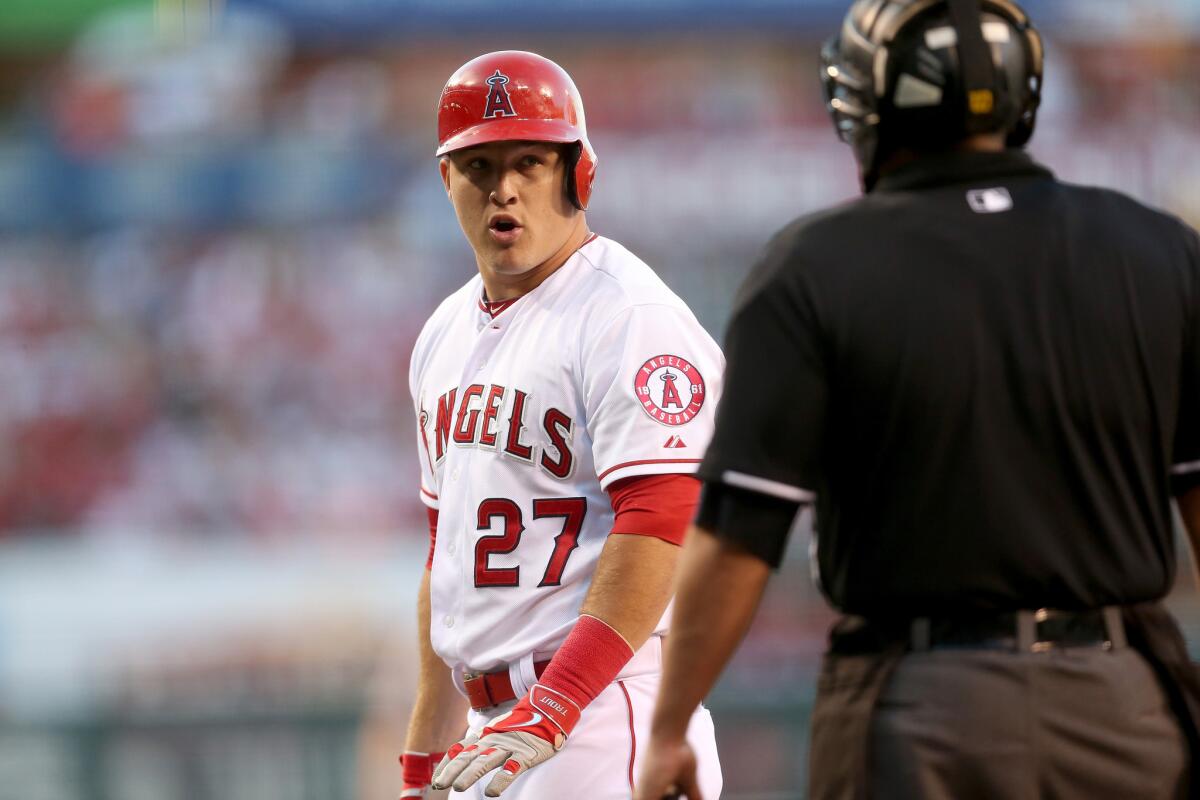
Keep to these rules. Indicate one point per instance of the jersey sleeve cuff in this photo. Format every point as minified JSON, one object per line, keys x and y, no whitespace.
{"x":649,"y":466}
{"x":757,"y":483}
{"x":429,"y":499}
{"x":1185,"y":477}
{"x":758,"y":523}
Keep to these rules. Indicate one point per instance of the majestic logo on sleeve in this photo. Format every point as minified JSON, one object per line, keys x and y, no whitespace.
{"x":670,"y":389}
{"x":499,"y":104}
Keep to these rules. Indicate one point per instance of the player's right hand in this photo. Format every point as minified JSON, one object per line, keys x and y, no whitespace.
{"x":416,"y":771}
{"x":532,"y":732}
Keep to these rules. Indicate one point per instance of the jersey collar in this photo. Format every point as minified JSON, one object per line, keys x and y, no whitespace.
{"x":493,"y":308}
{"x":947,"y":169}
{"x":489,"y":312}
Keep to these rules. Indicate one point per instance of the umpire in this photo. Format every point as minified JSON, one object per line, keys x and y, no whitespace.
{"x":988,"y":382}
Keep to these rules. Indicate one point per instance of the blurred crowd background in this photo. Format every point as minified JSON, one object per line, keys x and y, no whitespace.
{"x":221,"y":228}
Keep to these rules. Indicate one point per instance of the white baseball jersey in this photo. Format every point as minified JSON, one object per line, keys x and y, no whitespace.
{"x":524,"y":420}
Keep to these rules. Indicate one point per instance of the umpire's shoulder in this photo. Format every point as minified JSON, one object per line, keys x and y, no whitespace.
{"x":1115,"y":222}
{"x":1121,"y":215}
{"x":808,"y":246}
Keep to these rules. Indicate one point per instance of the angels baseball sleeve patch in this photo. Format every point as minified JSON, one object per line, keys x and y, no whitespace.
{"x":670,"y":389}
{"x":654,"y":378}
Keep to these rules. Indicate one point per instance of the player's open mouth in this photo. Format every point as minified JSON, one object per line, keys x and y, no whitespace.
{"x":504,"y":229}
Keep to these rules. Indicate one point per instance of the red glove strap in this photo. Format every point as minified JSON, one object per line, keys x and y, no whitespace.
{"x":416,"y":769}
{"x":543,"y":712}
{"x":587,"y":662}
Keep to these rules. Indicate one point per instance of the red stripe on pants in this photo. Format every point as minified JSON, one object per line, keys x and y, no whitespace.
{"x":632,"y":734}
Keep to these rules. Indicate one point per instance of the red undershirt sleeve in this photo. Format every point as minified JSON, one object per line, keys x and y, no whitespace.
{"x":661,"y":506}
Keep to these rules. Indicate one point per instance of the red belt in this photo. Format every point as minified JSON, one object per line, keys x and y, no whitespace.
{"x":494,"y":688}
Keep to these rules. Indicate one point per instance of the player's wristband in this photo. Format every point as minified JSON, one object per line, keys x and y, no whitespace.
{"x":416,"y":770}
{"x":588,"y":661}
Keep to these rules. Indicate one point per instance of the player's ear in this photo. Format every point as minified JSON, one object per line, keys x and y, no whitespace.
{"x":444,"y":168}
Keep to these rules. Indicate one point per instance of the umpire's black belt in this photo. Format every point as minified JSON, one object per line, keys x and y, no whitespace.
{"x":1029,"y":631}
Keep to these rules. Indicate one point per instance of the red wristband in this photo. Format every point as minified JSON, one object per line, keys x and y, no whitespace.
{"x":416,"y":769}
{"x":587,"y":662}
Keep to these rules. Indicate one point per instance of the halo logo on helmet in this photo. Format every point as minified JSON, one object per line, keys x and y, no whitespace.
{"x":498,"y":104}
{"x":512,"y":96}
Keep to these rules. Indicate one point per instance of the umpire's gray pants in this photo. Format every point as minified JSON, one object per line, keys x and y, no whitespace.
{"x":978,"y":724}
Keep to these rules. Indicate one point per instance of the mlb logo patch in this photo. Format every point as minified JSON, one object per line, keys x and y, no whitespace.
{"x":990,"y":201}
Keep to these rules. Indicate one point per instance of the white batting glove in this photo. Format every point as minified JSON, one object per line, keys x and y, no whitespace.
{"x":535,"y":729}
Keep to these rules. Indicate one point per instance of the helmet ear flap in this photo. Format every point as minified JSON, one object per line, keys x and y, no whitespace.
{"x":1023,"y":131}
{"x":581,"y":170}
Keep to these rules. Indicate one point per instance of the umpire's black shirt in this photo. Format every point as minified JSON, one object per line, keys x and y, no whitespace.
{"x":988,"y":379}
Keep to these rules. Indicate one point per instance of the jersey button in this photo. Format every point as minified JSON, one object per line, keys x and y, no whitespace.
{"x":454,"y":474}
{"x":448,"y":621}
{"x":451,"y":548}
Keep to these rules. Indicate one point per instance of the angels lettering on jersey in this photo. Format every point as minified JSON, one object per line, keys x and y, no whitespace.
{"x":495,"y":418}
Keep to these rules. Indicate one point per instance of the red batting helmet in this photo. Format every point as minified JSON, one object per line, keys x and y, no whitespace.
{"x":513,"y":95}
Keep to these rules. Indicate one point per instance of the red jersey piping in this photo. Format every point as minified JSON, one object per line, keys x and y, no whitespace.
{"x":649,"y":461}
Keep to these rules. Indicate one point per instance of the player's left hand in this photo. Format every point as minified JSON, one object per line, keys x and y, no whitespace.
{"x":668,"y":771}
{"x":416,"y":772}
{"x":535,"y":729}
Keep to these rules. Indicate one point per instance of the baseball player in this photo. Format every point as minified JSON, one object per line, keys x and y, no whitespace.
{"x":564,"y":396}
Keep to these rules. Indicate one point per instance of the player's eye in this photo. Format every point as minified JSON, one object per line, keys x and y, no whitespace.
{"x":529,"y":161}
{"x":477,"y":164}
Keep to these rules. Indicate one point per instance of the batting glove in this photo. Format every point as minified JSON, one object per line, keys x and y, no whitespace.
{"x":535,"y":729}
{"x":416,"y":770}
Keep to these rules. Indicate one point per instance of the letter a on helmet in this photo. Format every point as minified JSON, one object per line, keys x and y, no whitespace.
{"x":517,"y":96}
{"x":499,"y":104}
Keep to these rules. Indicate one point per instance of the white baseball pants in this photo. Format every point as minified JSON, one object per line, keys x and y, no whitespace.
{"x":601,"y":758}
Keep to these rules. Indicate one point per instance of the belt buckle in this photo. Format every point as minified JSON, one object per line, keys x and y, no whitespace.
{"x":478,"y":691}
{"x":1040,"y":645}
{"x":1111,"y":626}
